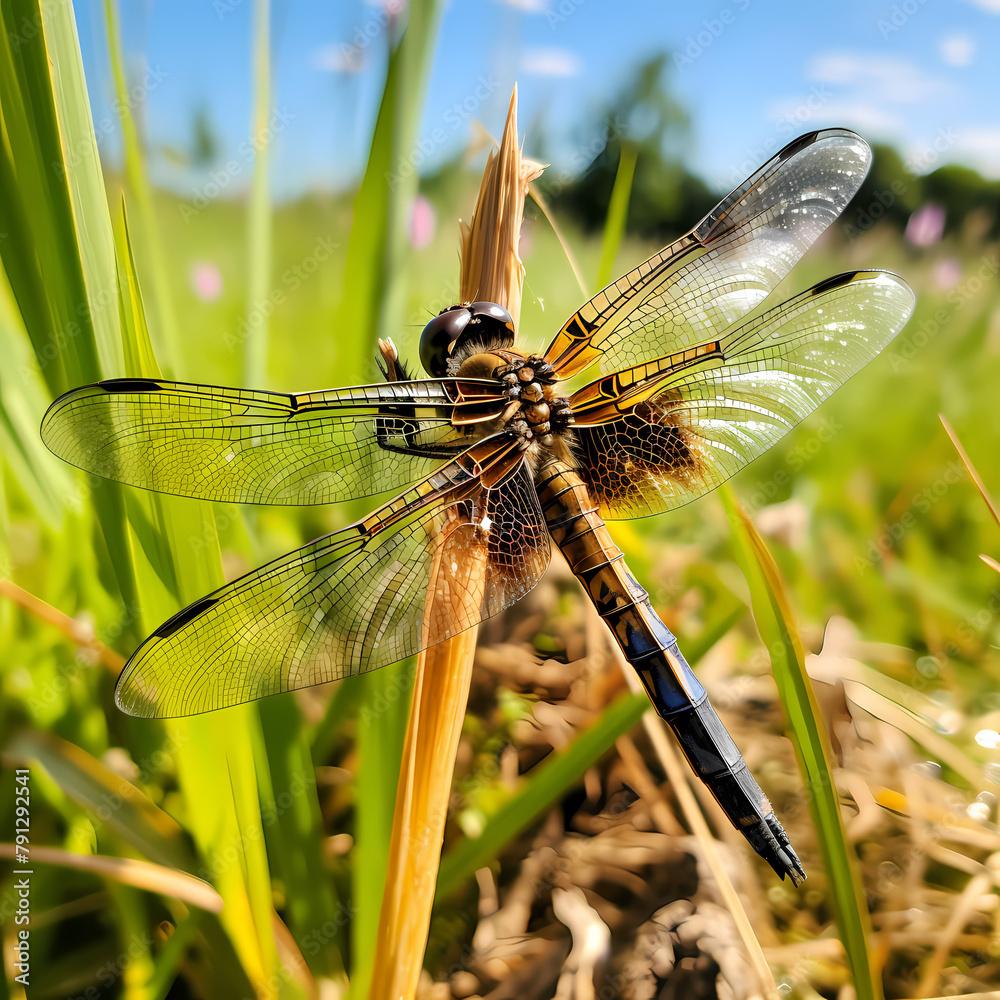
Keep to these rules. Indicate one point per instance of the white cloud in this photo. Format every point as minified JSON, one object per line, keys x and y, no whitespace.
{"x":550,"y":62}
{"x":862,"y":117}
{"x":977,"y":147}
{"x":990,"y":6}
{"x":857,"y":114}
{"x":957,"y":50}
{"x":878,"y":77}
{"x":980,"y":148}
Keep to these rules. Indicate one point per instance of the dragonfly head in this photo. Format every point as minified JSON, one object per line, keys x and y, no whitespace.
{"x":460,"y":331}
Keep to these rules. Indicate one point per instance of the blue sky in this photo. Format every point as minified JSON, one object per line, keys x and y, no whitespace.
{"x":752,"y":73}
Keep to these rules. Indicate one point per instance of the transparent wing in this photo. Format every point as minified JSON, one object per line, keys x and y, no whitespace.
{"x":654,"y":437}
{"x":460,"y":546}
{"x":246,"y":446}
{"x":707,"y":280}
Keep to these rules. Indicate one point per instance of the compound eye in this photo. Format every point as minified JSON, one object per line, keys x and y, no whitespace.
{"x":496,"y":313}
{"x":439,"y":337}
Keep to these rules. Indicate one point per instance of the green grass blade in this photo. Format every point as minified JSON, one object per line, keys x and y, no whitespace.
{"x":137,"y":349}
{"x":614,"y":225}
{"x":381,"y":729}
{"x":135,"y":171}
{"x":54,"y":204}
{"x":341,"y":706}
{"x":259,"y":227}
{"x":374,"y":275}
{"x":22,"y":267}
{"x":170,"y":955}
{"x":294,"y":829}
{"x":224,"y":808}
{"x":23,"y":396}
{"x":41,"y":256}
{"x":129,"y":908}
{"x":780,"y":635}
{"x":130,"y":815}
{"x":285,"y":777}
{"x":115,"y":802}
{"x":85,"y":179}
{"x":547,"y":783}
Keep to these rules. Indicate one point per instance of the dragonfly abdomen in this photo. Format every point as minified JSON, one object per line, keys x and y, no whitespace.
{"x":578,"y":529}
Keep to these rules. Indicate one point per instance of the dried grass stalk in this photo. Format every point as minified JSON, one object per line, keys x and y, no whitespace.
{"x":491,"y":270}
{"x":75,"y":631}
{"x":144,"y":875}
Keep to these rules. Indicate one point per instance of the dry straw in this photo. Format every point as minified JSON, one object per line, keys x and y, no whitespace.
{"x":491,"y":271}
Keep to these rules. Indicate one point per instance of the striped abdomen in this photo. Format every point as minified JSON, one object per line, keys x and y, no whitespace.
{"x":651,"y":648}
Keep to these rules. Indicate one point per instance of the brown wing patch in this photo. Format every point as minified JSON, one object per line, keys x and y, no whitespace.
{"x":622,"y":461}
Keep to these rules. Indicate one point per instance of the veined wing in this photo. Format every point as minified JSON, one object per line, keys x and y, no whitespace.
{"x":658,"y":435}
{"x":461,"y":545}
{"x":707,"y":280}
{"x":246,"y":446}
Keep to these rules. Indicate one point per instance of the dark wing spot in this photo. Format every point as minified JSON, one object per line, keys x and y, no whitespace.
{"x":188,"y":614}
{"x":130,"y":385}
{"x":835,"y":282}
{"x":797,"y":145}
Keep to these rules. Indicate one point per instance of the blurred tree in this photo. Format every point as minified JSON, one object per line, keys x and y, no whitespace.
{"x":892,"y":192}
{"x":204,"y":145}
{"x":202,"y":149}
{"x":666,"y":197}
{"x":962,"y":191}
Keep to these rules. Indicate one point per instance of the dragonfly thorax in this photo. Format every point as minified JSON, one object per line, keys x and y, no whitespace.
{"x":537,"y":410}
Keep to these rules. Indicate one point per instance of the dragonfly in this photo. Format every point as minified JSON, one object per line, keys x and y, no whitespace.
{"x":491,"y":456}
